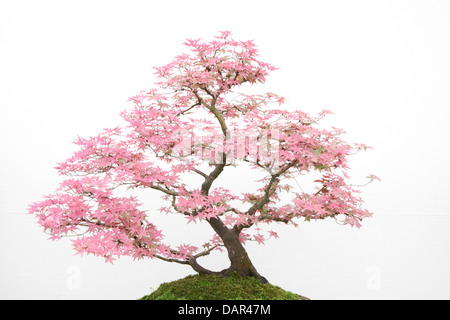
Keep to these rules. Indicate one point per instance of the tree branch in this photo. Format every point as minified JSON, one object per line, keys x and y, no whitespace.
{"x":192,"y":261}
{"x":193,"y":106}
{"x":205,"y":253}
{"x":268,"y":192}
{"x":206,"y":185}
{"x":166,"y":191}
{"x":171,"y":260}
{"x":216,"y":112}
{"x":204,"y":175}
{"x":209,"y":179}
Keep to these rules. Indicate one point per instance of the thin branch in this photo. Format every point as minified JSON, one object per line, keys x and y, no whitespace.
{"x":272,"y":218}
{"x":201,"y":100}
{"x":171,"y":260}
{"x":166,"y":191}
{"x":192,"y":261}
{"x":193,"y":106}
{"x":213,"y":109}
{"x":206,"y":252}
{"x":206,"y":185}
{"x":268,"y":192}
{"x":234,"y":210}
{"x":204,"y":175}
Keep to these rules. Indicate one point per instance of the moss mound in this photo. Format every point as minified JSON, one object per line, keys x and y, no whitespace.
{"x":208,"y":287}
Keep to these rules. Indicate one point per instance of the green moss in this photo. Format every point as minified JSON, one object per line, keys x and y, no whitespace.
{"x":207,"y":287}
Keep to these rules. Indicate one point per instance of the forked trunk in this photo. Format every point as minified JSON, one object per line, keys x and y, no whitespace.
{"x":239,"y":259}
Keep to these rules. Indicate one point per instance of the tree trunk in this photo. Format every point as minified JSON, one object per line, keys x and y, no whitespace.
{"x":240,"y":261}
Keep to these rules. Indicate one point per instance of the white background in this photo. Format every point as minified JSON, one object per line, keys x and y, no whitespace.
{"x":383,"y":67}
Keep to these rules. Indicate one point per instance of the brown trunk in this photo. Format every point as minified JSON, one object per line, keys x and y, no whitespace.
{"x":240,"y":261}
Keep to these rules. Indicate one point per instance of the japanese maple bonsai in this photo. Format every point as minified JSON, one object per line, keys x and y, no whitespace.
{"x":194,"y":122}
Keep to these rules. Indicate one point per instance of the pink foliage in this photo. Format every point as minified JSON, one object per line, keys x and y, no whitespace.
{"x":189,"y":122}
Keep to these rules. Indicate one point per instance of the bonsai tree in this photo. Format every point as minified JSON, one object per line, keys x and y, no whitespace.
{"x":180,"y":138}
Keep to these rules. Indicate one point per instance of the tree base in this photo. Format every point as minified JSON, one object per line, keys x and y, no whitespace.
{"x":213,"y":287}
{"x":230,"y":271}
